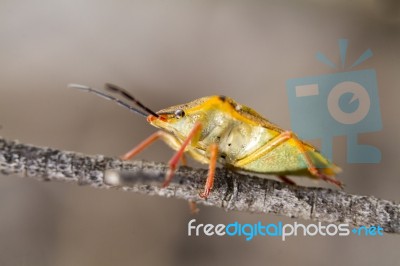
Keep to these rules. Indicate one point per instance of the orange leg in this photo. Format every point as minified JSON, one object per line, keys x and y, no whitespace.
{"x":183,"y":160}
{"x":143,"y":145}
{"x":211,"y":171}
{"x":311,"y":167}
{"x":330,"y":179}
{"x":173,"y":163}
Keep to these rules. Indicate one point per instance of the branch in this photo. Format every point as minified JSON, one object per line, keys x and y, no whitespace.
{"x":232,"y":191}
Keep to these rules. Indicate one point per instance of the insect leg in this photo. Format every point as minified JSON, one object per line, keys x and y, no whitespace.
{"x":183,"y":160}
{"x":173,"y":163}
{"x":286,"y":180}
{"x":167,"y":138}
{"x":144,"y":144}
{"x":211,"y":171}
{"x":310,"y":165}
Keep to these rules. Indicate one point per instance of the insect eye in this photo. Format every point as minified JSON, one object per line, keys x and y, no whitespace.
{"x":179,"y":113}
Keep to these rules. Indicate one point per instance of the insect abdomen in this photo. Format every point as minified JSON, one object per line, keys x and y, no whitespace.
{"x":288,"y":159}
{"x":235,"y":138}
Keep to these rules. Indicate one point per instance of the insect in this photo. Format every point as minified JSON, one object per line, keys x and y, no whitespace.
{"x":217,"y":129}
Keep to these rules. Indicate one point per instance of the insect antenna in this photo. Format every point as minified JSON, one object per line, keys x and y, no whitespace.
{"x":107,"y":97}
{"x":116,"y":89}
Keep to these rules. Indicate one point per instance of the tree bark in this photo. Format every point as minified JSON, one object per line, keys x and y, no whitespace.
{"x":232,"y":191}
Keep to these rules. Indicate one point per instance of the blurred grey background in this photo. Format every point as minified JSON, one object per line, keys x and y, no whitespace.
{"x":165,"y":53}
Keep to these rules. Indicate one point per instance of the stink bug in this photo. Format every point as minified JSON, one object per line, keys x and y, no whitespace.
{"x":218,"y":129}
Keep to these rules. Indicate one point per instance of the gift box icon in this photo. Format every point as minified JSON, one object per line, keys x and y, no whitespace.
{"x":338,"y":104}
